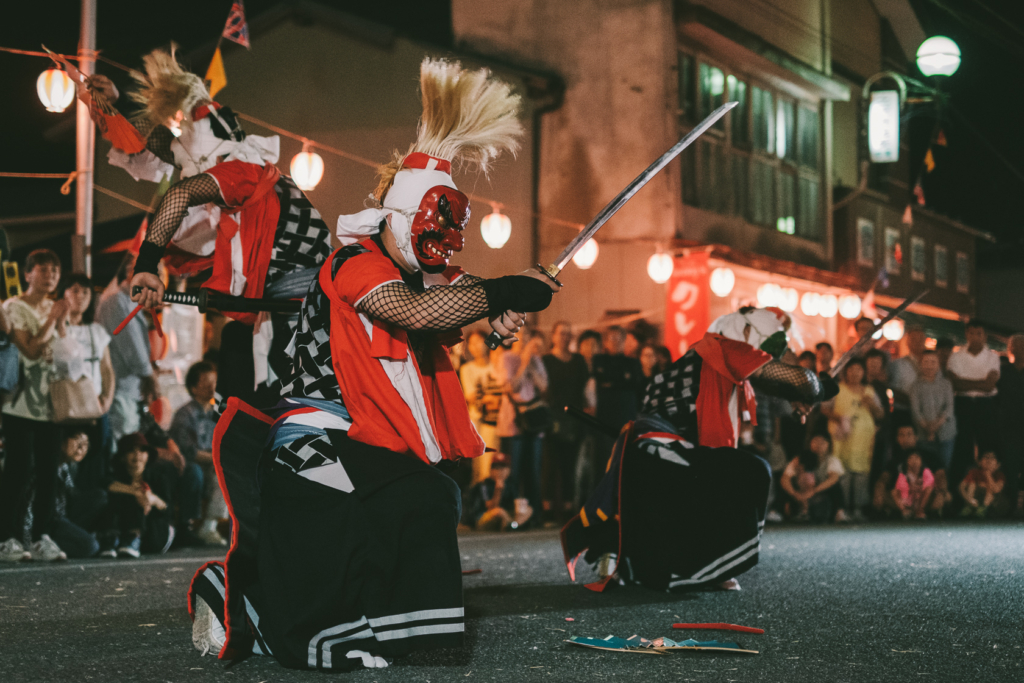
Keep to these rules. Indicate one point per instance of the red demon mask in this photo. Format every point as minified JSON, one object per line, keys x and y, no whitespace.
{"x":437,"y":228}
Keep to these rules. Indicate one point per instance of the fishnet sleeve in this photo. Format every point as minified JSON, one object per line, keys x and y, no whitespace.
{"x":438,"y":309}
{"x":159,"y":143}
{"x":199,"y":189}
{"x":790,"y":382}
{"x":467,"y":280}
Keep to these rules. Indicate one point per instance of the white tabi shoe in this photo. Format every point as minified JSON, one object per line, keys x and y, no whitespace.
{"x":207,"y":632}
{"x":369,"y":661}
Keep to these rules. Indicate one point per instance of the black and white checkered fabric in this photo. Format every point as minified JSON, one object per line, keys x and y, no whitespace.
{"x":302,"y":239}
{"x":307,"y":452}
{"x":672,"y":395}
{"x":312,"y":366}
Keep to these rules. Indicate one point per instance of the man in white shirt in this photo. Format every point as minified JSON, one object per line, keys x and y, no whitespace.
{"x":974,"y":371}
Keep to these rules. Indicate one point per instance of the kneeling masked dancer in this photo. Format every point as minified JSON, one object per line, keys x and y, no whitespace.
{"x":680,"y":505}
{"x":232,"y":210}
{"x":344,"y":552}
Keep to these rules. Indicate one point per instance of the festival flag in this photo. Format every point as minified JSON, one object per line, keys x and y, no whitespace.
{"x":919,"y":193}
{"x":908,"y":216}
{"x":929,"y":161}
{"x":236,"y":29}
{"x":216,"y":77}
{"x":897,"y":254}
{"x":940,"y":139}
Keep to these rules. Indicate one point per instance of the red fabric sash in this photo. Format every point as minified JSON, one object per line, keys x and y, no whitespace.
{"x":727,"y":364}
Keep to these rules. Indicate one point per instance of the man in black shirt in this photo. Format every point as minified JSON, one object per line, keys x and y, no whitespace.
{"x":619,"y":380}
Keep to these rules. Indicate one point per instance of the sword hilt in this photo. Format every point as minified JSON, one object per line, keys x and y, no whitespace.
{"x":207,"y":299}
{"x":494,"y":339}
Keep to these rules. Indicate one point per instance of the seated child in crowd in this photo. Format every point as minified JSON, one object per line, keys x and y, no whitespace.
{"x":906,"y":443}
{"x":982,"y":488}
{"x":913,"y":489}
{"x":810,"y":479}
{"x":139,"y":512}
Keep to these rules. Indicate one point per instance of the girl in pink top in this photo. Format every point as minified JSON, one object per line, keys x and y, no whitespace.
{"x":913,"y":487}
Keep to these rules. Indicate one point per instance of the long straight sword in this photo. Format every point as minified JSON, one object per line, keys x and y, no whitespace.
{"x":552,"y":270}
{"x":864,"y":341}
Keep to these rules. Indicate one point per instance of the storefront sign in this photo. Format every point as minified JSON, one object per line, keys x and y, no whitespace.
{"x":884,"y":126}
{"x":686,"y":308}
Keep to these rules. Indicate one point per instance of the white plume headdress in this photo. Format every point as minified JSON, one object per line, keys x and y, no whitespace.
{"x":469,"y":119}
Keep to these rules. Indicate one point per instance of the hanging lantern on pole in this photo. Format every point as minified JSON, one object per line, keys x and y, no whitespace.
{"x":722,"y":281}
{"x":307,"y":168}
{"x":660,"y":267}
{"x":495,"y":228}
{"x":828,"y":306}
{"x":849,"y":306}
{"x":56,"y":89}
{"x":586,"y":256}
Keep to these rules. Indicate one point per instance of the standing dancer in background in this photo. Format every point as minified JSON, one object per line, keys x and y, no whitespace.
{"x":681,"y":506}
{"x":232,"y":211}
{"x":345,"y":554}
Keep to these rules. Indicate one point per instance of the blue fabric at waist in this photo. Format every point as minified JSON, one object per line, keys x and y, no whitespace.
{"x":283,"y":432}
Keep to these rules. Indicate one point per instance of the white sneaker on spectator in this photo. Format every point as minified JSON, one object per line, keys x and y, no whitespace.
{"x":211,"y":537}
{"x":207,"y":631}
{"x":45,"y":550}
{"x":841,"y":517}
{"x":773,"y":516}
{"x":13,"y":551}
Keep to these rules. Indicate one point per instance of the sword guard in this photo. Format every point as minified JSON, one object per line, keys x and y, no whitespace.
{"x":550,"y":272}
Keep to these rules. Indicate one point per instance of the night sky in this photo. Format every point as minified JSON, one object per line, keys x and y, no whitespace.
{"x":969,"y":183}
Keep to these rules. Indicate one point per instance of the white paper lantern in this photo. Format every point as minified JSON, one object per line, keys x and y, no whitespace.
{"x":809,"y":303}
{"x":586,"y":256}
{"x":495,"y":228}
{"x":722,"y":281}
{"x":893,"y":330}
{"x":307,"y":169}
{"x":769,"y":294}
{"x":56,"y":89}
{"x":660,"y":267}
{"x":828,"y":306}
{"x":789,"y":299}
{"x":849,"y":306}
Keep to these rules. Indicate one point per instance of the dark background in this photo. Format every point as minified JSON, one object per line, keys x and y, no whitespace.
{"x":978,"y":178}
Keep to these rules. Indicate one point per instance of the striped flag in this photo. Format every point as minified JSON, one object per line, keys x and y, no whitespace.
{"x":236,"y":29}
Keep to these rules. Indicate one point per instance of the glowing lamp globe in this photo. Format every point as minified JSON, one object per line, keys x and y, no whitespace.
{"x":495,"y":228}
{"x":938,"y":56}
{"x":828,"y":306}
{"x":789,"y":299}
{"x":769,"y":294}
{"x":660,"y":267}
{"x":810,"y":303}
{"x":307,"y":169}
{"x":849,"y":306}
{"x":722,"y":281}
{"x":56,"y":89}
{"x":586,"y":256}
{"x":893,"y":330}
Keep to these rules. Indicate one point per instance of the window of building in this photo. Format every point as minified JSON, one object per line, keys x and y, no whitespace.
{"x":865,"y":242}
{"x":963,"y":273}
{"x":766,"y":167}
{"x":918,"y":260}
{"x":893,"y":251}
{"x":941,"y":266}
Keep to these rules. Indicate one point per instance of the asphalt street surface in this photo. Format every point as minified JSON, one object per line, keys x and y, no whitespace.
{"x":894,"y":603}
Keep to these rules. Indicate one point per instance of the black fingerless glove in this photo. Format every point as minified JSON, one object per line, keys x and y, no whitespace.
{"x":516,"y":293}
{"x":829,"y":388}
{"x":149,"y":258}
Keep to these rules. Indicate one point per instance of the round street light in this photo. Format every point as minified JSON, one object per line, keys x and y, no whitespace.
{"x":938,"y":56}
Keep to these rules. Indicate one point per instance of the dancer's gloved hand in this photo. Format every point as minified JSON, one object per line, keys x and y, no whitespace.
{"x":526,"y":292}
{"x":147,"y":289}
{"x":829,"y":388}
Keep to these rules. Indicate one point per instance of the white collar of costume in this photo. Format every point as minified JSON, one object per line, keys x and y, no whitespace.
{"x":418,"y":174}
{"x":198,"y":149}
{"x":763,"y":323}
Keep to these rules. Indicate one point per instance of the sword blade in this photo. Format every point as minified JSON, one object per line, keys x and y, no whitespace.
{"x":866,"y":339}
{"x":627,"y":193}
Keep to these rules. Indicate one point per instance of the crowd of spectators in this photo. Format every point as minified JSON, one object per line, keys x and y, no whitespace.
{"x":93,"y":463}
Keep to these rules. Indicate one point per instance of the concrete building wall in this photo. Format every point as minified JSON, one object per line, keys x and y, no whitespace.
{"x":362,"y":97}
{"x":618,"y":60}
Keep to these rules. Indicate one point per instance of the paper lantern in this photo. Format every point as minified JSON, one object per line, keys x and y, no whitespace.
{"x":809,"y":303}
{"x":849,"y":306}
{"x":722,"y":281}
{"x":893,"y":330}
{"x":586,"y":256}
{"x":660,"y":267}
{"x":789,"y":299}
{"x":495,"y":228}
{"x":769,"y":294}
{"x":307,"y":169}
{"x":938,"y":56}
{"x":828,"y":306}
{"x":56,"y":89}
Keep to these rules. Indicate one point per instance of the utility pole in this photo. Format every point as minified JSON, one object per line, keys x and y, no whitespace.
{"x":85,"y":148}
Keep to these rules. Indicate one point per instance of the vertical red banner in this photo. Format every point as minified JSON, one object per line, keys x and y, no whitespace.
{"x":686,"y":306}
